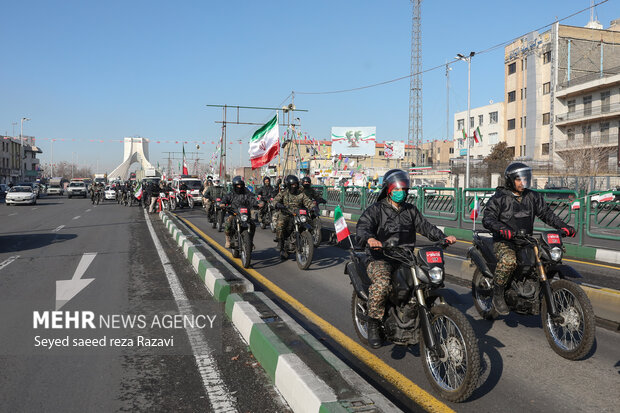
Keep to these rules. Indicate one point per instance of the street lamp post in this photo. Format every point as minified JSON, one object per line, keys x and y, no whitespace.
{"x":21,"y":151}
{"x":468,"y":60}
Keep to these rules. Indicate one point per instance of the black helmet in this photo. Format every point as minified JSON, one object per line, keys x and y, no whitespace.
{"x":394,"y":178}
{"x":518,"y":170}
{"x":306,"y":182}
{"x":292,"y":184}
{"x":267,"y":180}
{"x":238,"y":184}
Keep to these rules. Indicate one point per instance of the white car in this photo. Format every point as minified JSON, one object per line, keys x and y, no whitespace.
{"x":110,"y":193}
{"x":55,"y":190}
{"x":21,"y":195}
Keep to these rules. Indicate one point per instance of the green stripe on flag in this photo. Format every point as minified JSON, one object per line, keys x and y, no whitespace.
{"x":264,"y":129}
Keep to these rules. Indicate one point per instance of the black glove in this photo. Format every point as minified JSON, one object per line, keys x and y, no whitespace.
{"x":506,"y":234}
{"x":568,"y":231}
{"x":280,"y":206}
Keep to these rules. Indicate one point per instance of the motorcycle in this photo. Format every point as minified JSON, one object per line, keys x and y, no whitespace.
{"x":416,"y":312}
{"x":566,"y":312}
{"x":184,"y":198}
{"x":300,"y":240}
{"x":265,"y":213}
{"x":211,"y":211}
{"x":220,"y":212}
{"x":317,"y":225}
{"x":97,"y":195}
{"x":241,"y":242}
{"x":163,"y":201}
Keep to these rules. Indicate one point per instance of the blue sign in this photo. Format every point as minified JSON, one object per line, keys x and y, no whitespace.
{"x":463,"y":152}
{"x":304,"y":165}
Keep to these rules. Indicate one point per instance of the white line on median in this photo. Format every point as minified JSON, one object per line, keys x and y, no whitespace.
{"x":78,"y":217}
{"x":58,"y":229}
{"x":219,"y":398}
{"x":8,"y":261}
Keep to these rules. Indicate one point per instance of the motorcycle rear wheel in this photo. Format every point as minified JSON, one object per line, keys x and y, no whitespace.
{"x":454,"y":376}
{"x":482,"y":292}
{"x":305,"y":251}
{"x":573,"y":338}
{"x":359,"y":314}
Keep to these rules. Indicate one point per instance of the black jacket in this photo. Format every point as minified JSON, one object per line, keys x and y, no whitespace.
{"x":384,"y":222}
{"x":505,"y":211}
{"x":245,"y":200}
{"x":267,"y":192}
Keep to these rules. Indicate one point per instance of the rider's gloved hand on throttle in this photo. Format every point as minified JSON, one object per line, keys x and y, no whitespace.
{"x":451,"y":239}
{"x":506,"y":234}
{"x":569,"y":231}
{"x":373,"y":243}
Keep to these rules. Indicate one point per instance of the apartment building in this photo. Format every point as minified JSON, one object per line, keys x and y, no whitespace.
{"x":489,"y":119}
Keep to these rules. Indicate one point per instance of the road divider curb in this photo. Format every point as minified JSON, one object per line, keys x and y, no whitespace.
{"x":301,"y":387}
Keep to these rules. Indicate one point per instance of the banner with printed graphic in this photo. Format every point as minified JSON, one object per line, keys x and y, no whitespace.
{"x":355,"y":141}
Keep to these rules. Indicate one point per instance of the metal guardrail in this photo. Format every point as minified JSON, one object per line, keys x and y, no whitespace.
{"x":602,"y":219}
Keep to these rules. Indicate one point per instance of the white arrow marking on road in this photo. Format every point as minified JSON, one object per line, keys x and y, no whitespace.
{"x":78,"y":217}
{"x":67,"y":289}
{"x":8,"y":261}
{"x":58,"y":229}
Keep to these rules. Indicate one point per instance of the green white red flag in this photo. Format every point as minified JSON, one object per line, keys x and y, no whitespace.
{"x":575,"y":205}
{"x":265,"y":143}
{"x":475,"y":208}
{"x":138,"y":193}
{"x":342,"y":231}
{"x":477,"y":135}
{"x":185,"y":170}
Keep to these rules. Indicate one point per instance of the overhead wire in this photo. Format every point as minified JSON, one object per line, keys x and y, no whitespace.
{"x":487,"y":50}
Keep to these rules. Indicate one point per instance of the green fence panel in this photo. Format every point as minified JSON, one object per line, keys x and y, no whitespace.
{"x":353,"y":197}
{"x":467,"y":197}
{"x":441,"y":203}
{"x":603,"y":217}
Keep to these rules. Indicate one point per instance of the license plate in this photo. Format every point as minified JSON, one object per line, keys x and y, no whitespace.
{"x":243,"y":210}
{"x":553,"y":239}
{"x":433,"y":257}
{"x":302,"y":212}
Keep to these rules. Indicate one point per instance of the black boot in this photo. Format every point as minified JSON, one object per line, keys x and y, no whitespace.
{"x":498,"y":300}
{"x":374,"y":338}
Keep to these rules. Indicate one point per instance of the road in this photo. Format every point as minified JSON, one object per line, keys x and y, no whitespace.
{"x":46,"y":243}
{"x":520,"y":371}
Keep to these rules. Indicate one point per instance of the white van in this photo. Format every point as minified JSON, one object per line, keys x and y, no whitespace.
{"x":194,"y":186}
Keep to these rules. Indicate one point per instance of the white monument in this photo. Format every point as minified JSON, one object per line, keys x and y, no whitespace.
{"x":136,"y":150}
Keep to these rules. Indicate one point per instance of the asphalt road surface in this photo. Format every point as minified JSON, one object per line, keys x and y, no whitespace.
{"x":47,"y":243}
{"x":520,"y":371}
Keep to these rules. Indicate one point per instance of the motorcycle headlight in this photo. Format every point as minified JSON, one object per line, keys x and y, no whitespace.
{"x":244,"y":218}
{"x":303,"y":218}
{"x":556,"y":253}
{"x":435,"y":274}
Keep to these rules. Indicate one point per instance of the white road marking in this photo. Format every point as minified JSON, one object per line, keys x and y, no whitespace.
{"x":88,"y":210}
{"x":14,"y":213}
{"x":215,"y":388}
{"x":67,"y":289}
{"x":35,"y":208}
{"x":8,"y":261}
{"x":78,"y":217}
{"x":58,"y":229}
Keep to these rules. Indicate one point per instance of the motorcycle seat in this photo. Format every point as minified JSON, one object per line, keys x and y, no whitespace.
{"x":486,"y":244}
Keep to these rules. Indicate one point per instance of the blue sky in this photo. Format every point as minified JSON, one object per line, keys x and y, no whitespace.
{"x":108,"y":69}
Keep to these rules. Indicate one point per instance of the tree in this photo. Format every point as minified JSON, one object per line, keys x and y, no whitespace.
{"x":499,"y":158}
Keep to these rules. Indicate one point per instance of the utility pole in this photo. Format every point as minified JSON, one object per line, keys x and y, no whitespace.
{"x":415,"y":83}
{"x":468,"y":139}
{"x":448,"y":68}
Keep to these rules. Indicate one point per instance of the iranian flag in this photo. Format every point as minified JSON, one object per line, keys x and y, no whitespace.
{"x":265,"y":143}
{"x":342,"y":231}
{"x":475,"y":208}
{"x":477,"y":135}
{"x":185,"y":171}
{"x":575,"y":205}
{"x":138,"y":193}
{"x":609,"y":196}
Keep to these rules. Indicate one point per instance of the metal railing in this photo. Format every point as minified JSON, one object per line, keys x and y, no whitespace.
{"x":589,"y":77}
{"x":606,"y":109}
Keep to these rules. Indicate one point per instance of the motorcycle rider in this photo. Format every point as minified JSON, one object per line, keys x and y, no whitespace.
{"x":306,"y":182}
{"x":240,"y":197}
{"x":514,"y":207}
{"x":291,"y":199}
{"x":153,"y":192}
{"x":389,"y":218}
{"x":213,"y":192}
{"x":265,"y":192}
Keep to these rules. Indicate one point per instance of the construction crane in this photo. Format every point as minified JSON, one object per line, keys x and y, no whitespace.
{"x":415,"y":85}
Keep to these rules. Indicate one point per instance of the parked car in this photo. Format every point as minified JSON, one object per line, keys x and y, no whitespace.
{"x":55,"y":190}
{"x":77,"y":188}
{"x":21,"y":194}
{"x":110,"y":193}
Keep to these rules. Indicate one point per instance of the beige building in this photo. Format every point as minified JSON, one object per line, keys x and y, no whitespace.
{"x":437,"y":153}
{"x":10,"y":154}
{"x":489,"y":119}
{"x":536,"y":66}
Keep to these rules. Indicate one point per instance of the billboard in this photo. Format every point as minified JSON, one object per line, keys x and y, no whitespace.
{"x":354,"y":141}
{"x":394,"y":149}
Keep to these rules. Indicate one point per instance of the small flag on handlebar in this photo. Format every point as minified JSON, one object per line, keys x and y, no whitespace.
{"x":342,"y":231}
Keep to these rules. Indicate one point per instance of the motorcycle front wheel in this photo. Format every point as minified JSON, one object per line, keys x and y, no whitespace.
{"x":246,"y":249}
{"x":482,"y":292}
{"x":573,"y":337}
{"x":455,"y":374}
{"x":359,"y":315}
{"x":190,"y":203}
{"x":317,"y":226}
{"x":220,"y":220}
{"x":305,"y":251}
{"x":272,"y":222}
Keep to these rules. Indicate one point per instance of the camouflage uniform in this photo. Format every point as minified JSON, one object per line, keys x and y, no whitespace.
{"x":379,"y":273}
{"x":506,"y":261}
{"x":292,"y":203}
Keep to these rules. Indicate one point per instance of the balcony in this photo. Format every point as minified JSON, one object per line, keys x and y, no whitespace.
{"x":598,"y":79}
{"x":581,"y":142}
{"x":594,"y":113}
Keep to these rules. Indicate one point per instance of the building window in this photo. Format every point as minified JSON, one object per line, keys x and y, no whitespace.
{"x":571,"y":105}
{"x":546,"y":88}
{"x":380,"y":153}
{"x":524,"y":63}
{"x":523,"y":121}
{"x":522,"y":149}
{"x":511,"y":151}
{"x":605,"y":101}
{"x":587,"y":105}
{"x":492,"y":118}
{"x":546,"y":57}
{"x":570,"y":134}
{"x":471,"y":122}
{"x":511,"y":96}
{"x":523,"y":93}
{"x":460,"y":124}
{"x":512,"y":68}
{"x":480,"y":120}
{"x":493,"y":138}
{"x":586,"y":131}
{"x":511,"y":124}
{"x":546,"y":118}
{"x":451,"y":150}
{"x":604,"y":131}
{"x":545,"y":149}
